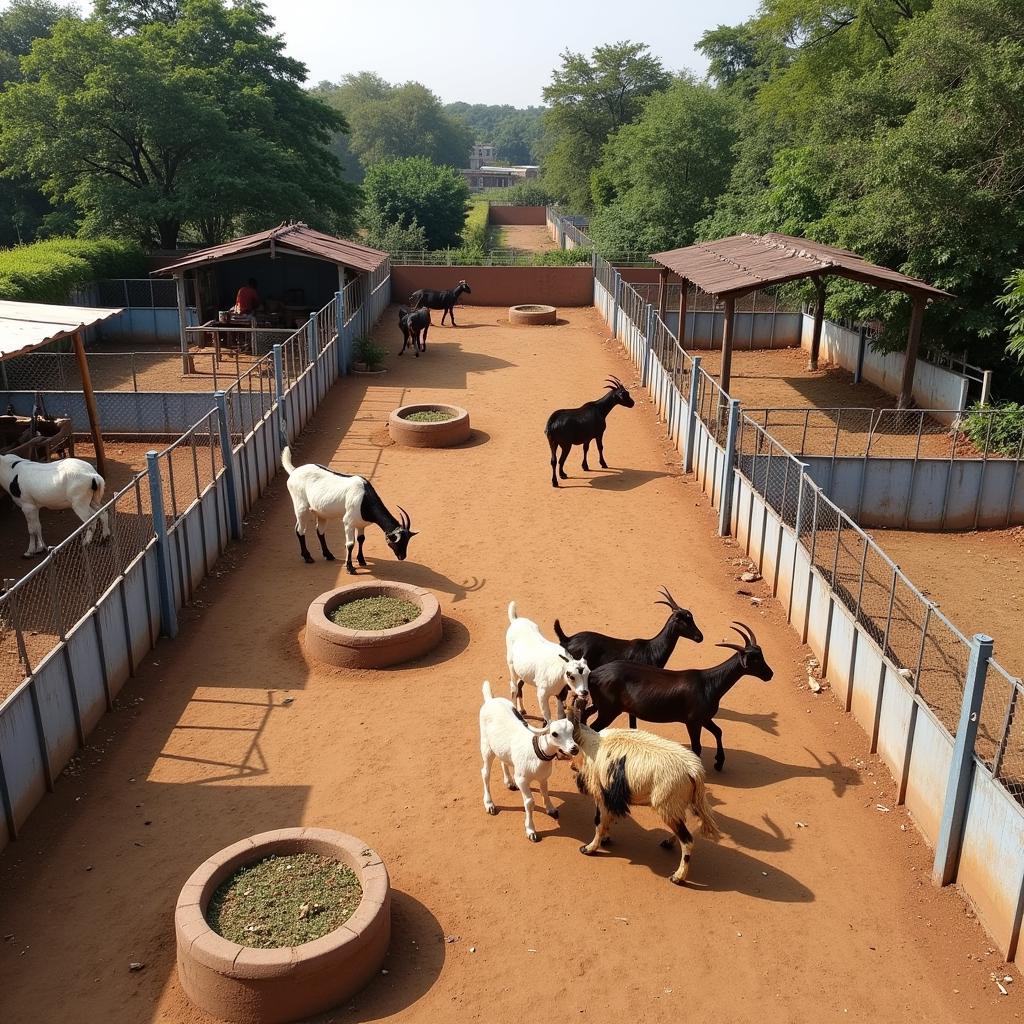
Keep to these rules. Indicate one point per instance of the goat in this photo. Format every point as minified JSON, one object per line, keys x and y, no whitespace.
{"x":566,"y":427}
{"x":320,"y":494}
{"x":525,"y":753}
{"x":624,"y":768}
{"x":429,"y":298}
{"x":690,"y":697}
{"x":414,"y":326}
{"x":66,"y":483}
{"x":599,"y":649}
{"x":534,"y":659}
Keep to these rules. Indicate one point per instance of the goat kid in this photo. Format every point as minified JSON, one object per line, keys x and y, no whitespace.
{"x":433,"y":299}
{"x":625,"y":768}
{"x":320,"y":494}
{"x":526,"y":754}
{"x":534,"y":659}
{"x":66,"y":483}
{"x":568,"y":427}
{"x":599,"y":649}
{"x":690,"y":697}
{"x":414,"y":326}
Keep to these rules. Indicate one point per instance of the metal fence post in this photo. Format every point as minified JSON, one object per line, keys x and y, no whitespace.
{"x":617,"y":294}
{"x":282,"y":420}
{"x":313,"y":348}
{"x":862,"y":341}
{"x":986,"y":386}
{"x":728,"y":470}
{"x":339,"y":320}
{"x":691,"y":416}
{"x":228,"y":458}
{"x":168,"y":610}
{"x":954,"y":811}
{"x":645,"y":369}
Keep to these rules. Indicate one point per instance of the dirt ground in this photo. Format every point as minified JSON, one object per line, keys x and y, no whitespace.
{"x":532,"y":237}
{"x":836,"y":920}
{"x":977,"y":579}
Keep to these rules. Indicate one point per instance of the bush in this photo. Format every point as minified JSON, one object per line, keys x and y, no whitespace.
{"x":476,"y":232}
{"x":50,"y":271}
{"x":368,"y":352}
{"x":395,"y":237}
{"x":526,"y":193}
{"x":563,"y":257}
{"x":1007,"y":426}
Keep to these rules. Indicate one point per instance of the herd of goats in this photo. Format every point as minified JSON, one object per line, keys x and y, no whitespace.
{"x":585,"y":673}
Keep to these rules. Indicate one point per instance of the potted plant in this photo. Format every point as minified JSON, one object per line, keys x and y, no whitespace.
{"x":369,"y":356}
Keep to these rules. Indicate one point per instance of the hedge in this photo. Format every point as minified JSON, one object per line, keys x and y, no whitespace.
{"x":50,"y":271}
{"x":475,"y":232}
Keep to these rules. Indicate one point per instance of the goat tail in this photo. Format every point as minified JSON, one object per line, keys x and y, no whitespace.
{"x":708,"y":825}
{"x":512,"y":614}
{"x":98,"y":487}
{"x":487,"y":691}
{"x":560,"y":633}
{"x":286,"y":460}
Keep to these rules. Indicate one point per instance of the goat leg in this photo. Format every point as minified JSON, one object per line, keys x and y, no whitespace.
{"x":485,"y":772}
{"x":524,"y":787}
{"x":566,"y":448}
{"x":602,"y":822}
{"x":552,"y":811}
{"x":323,"y":546}
{"x":600,"y":450}
{"x":716,"y":731}
{"x":554,"y":461}
{"x":303,"y":550}
{"x":586,"y":451}
{"x":349,"y":567}
{"x":359,"y":556}
{"x":686,"y":847}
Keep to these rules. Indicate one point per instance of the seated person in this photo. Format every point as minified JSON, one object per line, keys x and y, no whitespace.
{"x":248,"y":300}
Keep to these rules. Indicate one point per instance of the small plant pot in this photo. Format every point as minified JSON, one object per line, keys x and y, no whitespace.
{"x":342,"y":647}
{"x":429,"y":435}
{"x":275,"y":986}
{"x":532,"y":315}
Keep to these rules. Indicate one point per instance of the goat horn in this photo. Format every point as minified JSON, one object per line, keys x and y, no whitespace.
{"x":747,"y":634}
{"x":406,"y":521}
{"x":669,"y":599}
{"x":732,"y":647}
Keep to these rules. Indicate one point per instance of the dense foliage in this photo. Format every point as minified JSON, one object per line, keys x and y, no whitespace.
{"x":197,"y":118}
{"x":999,"y":430}
{"x":514,"y":131}
{"x":50,"y":271}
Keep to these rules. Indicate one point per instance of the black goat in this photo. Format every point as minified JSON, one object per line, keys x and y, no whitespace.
{"x":566,"y":427}
{"x":414,"y":325}
{"x":690,"y":697}
{"x":598,"y":649}
{"x":430,"y":299}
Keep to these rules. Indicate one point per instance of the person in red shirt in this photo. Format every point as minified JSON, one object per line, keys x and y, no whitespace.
{"x":248,"y":298}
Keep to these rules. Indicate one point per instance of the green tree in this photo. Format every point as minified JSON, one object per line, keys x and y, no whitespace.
{"x":393,"y":237}
{"x":131,"y":15}
{"x":660,"y":175}
{"x":415,"y":191}
{"x":514,"y":131}
{"x":201,"y":121}
{"x":590,"y":98}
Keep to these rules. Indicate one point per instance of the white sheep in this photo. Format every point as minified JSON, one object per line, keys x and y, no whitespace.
{"x":526,"y":754}
{"x":623,"y":768}
{"x":542,"y":663}
{"x":66,"y":483}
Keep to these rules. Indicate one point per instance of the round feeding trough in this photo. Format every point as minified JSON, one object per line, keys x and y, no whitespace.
{"x":372,"y":624}
{"x":268,"y":983}
{"x":429,"y":425}
{"x":532,"y":315}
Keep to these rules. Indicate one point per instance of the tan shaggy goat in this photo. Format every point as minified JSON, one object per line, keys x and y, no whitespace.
{"x":624,"y":768}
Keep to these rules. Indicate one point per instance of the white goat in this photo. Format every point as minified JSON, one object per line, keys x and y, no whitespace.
{"x":320,"y":494}
{"x":66,"y":483}
{"x":543,"y":664}
{"x":624,"y":768}
{"x":525,"y":753}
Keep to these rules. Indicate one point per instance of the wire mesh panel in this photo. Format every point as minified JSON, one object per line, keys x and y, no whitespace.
{"x":1000,"y":741}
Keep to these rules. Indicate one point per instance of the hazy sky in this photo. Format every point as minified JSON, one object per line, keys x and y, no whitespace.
{"x":486,"y":52}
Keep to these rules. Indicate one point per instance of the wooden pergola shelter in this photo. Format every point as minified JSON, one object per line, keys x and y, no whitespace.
{"x":732,"y":267}
{"x":27,"y":326}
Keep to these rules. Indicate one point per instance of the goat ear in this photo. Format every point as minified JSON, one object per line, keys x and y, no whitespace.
{"x":564,"y":658}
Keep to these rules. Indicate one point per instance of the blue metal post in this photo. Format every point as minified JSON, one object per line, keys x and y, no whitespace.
{"x":961,"y":768}
{"x":282,"y":419}
{"x":728,"y":470}
{"x":313,"y":348}
{"x":645,"y":368}
{"x":168,"y":609}
{"x":691,"y":416}
{"x":228,"y":458}
{"x":617,"y":293}
{"x":339,"y":319}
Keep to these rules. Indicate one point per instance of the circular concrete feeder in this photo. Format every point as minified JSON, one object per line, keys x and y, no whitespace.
{"x":532,"y":315}
{"x":275,"y":986}
{"x":372,"y":648}
{"x":442,"y":434}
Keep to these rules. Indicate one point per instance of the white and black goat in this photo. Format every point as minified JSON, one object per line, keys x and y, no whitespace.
{"x":320,"y":494}
{"x":414,"y":326}
{"x":566,"y":427}
{"x":599,"y":649}
{"x":66,"y":483}
{"x":534,"y":659}
{"x":430,"y":298}
{"x":526,"y":754}
{"x":625,"y":768}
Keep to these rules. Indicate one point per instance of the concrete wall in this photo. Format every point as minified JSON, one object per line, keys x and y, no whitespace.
{"x":501,"y":286}
{"x":146,"y":325}
{"x":935,"y":387}
{"x":516,"y":215}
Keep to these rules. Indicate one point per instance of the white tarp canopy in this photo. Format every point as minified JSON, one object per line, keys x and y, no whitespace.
{"x":27,"y":325}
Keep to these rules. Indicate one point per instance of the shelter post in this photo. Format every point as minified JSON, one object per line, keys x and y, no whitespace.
{"x":684,"y":287}
{"x":819,"y":317}
{"x":90,"y":404}
{"x":906,"y":396}
{"x":728,"y":323}
{"x":662,"y":293}
{"x":179,"y":287}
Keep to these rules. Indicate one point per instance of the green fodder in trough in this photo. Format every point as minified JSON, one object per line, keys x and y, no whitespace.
{"x":375,"y":613}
